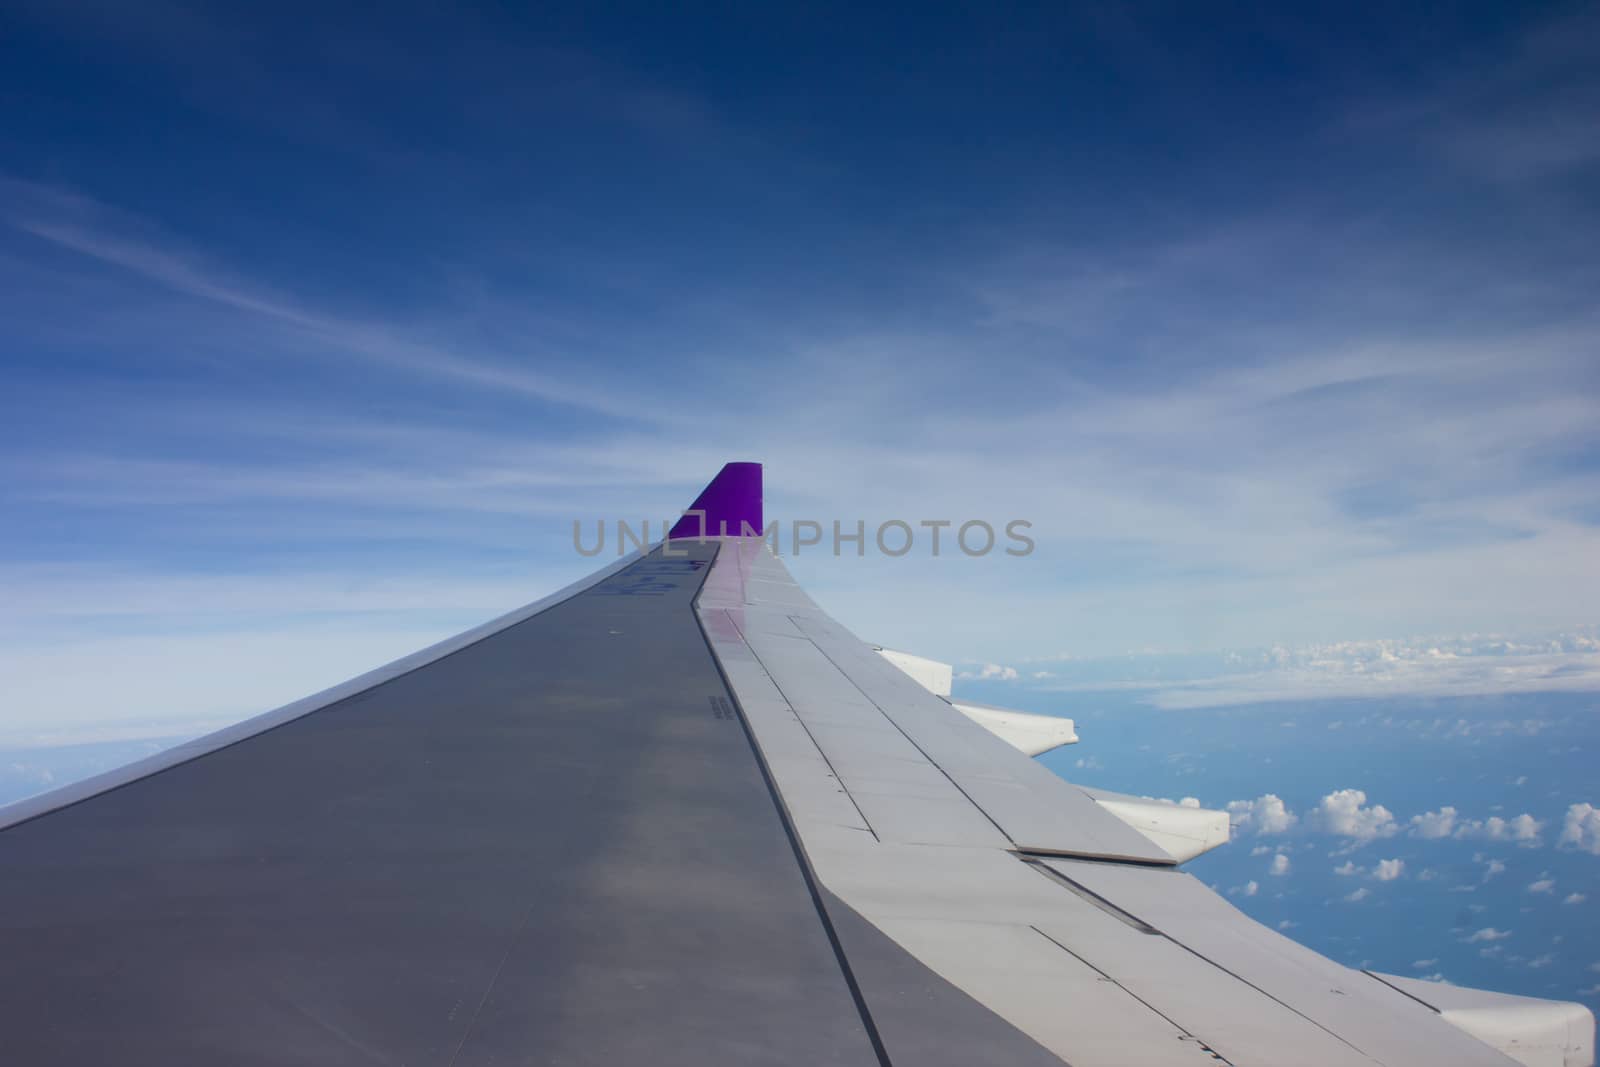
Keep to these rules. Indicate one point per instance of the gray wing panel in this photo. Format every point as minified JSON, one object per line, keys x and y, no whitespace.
{"x":1037,"y":810}
{"x":554,"y":845}
{"x":922,"y":1019}
{"x":876,"y":725}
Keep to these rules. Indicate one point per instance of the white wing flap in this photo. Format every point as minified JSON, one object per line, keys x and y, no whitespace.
{"x":1183,"y":832}
{"x":1535,"y":1033}
{"x":1028,"y":733}
{"x":932,"y":675}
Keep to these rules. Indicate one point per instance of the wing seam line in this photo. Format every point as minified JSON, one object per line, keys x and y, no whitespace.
{"x":807,"y":874}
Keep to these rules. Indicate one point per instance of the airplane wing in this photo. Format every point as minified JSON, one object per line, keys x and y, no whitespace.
{"x":673,"y":814}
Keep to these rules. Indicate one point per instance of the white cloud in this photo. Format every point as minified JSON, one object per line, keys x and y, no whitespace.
{"x":1279,"y":865}
{"x":1523,"y":829}
{"x":1581,"y":828}
{"x":1345,"y":812}
{"x":1266,"y":814}
{"x":1447,"y":822}
{"x":1359,"y":895}
{"x":1542,"y":961}
{"x":1249,"y":889}
{"x":1287,"y":924}
{"x":1492,"y":868}
{"x":1543,"y":885}
{"x":1575,"y":898}
{"x":991,"y":672}
{"x":1389,"y":870}
{"x":1348,"y":868}
{"x":1434,"y":824}
{"x":1423,"y":965}
{"x":1386,"y":668}
{"x":1488,"y":933}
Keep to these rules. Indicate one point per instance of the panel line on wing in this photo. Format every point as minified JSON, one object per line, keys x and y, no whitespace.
{"x":1402,"y":992}
{"x":1089,"y":894}
{"x":807,"y":872}
{"x":1175,"y":1024}
{"x":1033,"y":808}
{"x":843,"y":786}
{"x":909,"y":739}
{"x":1098,"y":901}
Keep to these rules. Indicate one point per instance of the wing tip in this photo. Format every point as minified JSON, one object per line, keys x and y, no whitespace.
{"x":729,"y":505}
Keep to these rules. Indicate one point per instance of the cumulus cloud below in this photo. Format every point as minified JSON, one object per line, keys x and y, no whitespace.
{"x":1581,"y":828}
{"x":1348,"y":814}
{"x":1345,"y":813}
{"x":1523,"y":829}
{"x":1389,"y":870}
{"x":990,"y":672}
{"x":1266,"y":814}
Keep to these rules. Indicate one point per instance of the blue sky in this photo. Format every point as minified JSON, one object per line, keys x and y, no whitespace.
{"x":321,"y":330}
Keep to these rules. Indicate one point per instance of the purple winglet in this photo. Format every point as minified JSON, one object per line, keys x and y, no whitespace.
{"x":731,"y":503}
